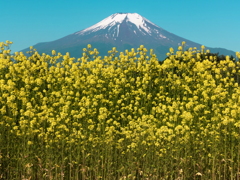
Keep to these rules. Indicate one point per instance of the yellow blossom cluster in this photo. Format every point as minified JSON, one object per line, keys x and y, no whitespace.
{"x":121,"y":116}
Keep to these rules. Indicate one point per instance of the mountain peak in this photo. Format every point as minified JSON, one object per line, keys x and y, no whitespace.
{"x":117,"y":19}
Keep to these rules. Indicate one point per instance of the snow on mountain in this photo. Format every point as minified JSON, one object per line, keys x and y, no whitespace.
{"x":116,"y":19}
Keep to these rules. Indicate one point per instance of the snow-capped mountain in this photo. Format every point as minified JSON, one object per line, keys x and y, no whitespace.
{"x":112,"y":25}
{"x":123,"y":31}
{"x":132,"y":29}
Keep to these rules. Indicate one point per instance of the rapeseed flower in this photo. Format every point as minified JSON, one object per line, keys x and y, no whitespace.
{"x":120,"y":105}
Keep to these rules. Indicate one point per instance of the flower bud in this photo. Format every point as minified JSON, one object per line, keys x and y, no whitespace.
{"x":53,"y":52}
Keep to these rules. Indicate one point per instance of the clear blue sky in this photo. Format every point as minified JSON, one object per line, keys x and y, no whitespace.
{"x":213,"y":23}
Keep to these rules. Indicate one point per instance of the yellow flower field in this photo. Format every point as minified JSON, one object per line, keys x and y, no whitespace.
{"x":122,"y":116}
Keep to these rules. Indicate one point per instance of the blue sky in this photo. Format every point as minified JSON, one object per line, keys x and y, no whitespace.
{"x":213,"y":23}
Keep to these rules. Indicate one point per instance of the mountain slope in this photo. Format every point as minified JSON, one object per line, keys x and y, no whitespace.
{"x":123,"y":31}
